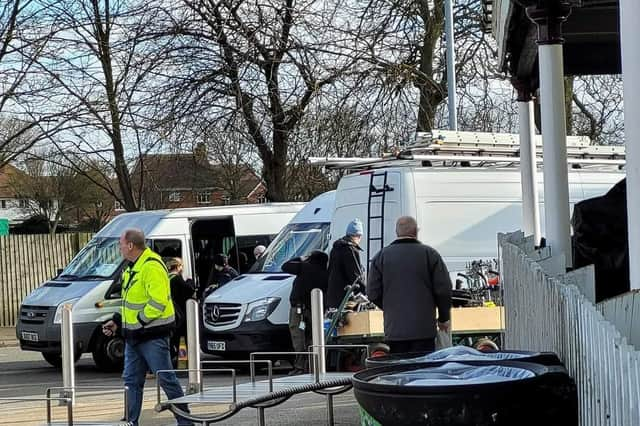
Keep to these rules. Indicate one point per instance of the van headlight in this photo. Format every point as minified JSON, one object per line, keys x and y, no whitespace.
{"x":261,"y":309}
{"x":57,"y":319}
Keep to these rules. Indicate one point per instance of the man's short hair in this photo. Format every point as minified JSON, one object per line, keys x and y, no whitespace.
{"x":406,"y":226}
{"x":135,"y":237}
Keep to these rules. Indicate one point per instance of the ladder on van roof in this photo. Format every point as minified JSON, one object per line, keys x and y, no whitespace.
{"x":376,"y":192}
{"x":444,"y":147}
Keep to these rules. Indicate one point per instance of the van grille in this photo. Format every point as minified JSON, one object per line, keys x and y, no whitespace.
{"x":30,"y":314}
{"x":219,"y":314}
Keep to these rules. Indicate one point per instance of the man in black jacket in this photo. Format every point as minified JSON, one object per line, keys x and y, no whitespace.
{"x":310,"y":272}
{"x":344,"y":264}
{"x":409,"y":280}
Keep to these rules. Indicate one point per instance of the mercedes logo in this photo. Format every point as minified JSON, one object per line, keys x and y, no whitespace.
{"x":215,"y":313}
{"x":31,"y":314}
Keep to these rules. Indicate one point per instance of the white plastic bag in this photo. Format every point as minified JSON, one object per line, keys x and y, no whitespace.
{"x":443,"y":340}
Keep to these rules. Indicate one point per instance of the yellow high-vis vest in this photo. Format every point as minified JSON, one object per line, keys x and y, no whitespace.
{"x":147,"y":308}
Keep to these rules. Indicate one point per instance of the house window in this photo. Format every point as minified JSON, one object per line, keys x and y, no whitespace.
{"x":226,"y":200}
{"x":117,"y":206}
{"x":262,"y":199}
{"x":3,"y":204}
{"x":23,"y":203}
{"x":175,"y":197}
{"x":204,"y":197}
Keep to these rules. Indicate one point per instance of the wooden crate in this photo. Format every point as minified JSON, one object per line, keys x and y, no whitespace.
{"x":476,"y":320}
{"x":463,"y":321}
{"x":363,"y":323}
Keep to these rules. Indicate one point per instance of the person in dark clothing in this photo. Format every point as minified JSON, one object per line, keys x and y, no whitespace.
{"x":344,"y":264}
{"x":408,"y":281}
{"x":311,"y":272}
{"x":181,"y":291}
{"x":221,"y":273}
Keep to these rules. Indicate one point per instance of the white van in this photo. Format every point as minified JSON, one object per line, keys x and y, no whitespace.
{"x":460,"y":210}
{"x":91,"y":281}
{"x":251,"y":313}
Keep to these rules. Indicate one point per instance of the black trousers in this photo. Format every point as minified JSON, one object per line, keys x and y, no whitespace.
{"x":404,"y":346}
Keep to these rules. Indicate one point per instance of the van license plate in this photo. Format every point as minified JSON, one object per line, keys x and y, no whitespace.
{"x":29,"y":336}
{"x":213,"y":345}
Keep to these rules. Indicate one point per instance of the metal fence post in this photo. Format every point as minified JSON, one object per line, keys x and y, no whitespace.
{"x":317,"y":328}
{"x":193,"y":345}
{"x":68,"y":360}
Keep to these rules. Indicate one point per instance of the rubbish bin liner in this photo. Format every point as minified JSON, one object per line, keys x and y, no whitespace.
{"x":502,"y":392}
{"x":463,"y":353}
{"x":454,"y":373}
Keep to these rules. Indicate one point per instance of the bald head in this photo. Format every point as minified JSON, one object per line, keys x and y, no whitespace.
{"x":406,"y":226}
{"x":135,"y":237}
{"x":132,"y":243}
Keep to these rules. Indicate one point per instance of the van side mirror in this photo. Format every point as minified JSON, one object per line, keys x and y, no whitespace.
{"x":59,"y":271}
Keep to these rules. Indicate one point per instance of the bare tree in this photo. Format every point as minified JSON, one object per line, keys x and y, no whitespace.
{"x":598,"y":111}
{"x":102,"y":64}
{"x":407,"y":49}
{"x":24,"y":121}
{"x":261,"y":61}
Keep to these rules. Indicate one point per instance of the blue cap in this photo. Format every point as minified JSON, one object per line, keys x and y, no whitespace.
{"x":355,"y":227}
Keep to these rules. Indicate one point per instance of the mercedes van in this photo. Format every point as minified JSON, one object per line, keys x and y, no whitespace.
{"x":251,"y":313}
{"x":91,"y":281}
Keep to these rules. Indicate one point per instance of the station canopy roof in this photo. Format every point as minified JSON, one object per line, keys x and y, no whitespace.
{"x":591,"y":33}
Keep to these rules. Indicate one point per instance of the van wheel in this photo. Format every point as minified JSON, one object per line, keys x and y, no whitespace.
{"x":108,"y":353}
{"x":55,"y":359}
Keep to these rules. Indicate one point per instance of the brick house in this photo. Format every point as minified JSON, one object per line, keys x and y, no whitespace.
{"x":190,"y":180}
{"x":11,"y":207}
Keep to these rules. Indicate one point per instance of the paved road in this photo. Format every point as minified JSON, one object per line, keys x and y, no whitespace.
{"x":25,"y":374}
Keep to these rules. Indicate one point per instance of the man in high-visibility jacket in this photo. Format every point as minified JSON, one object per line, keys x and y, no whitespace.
{"x":146,"y":322}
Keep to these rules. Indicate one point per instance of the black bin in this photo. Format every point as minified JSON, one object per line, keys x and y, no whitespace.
{"x":522,"y":394}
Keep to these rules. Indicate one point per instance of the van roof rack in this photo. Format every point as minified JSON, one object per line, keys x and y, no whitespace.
{"x":447,"y":148}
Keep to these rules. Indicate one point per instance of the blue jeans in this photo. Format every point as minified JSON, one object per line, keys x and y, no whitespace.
{"x":140,"y":357}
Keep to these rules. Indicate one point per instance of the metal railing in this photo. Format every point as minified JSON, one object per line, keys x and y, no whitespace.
{"x":546,"y":311}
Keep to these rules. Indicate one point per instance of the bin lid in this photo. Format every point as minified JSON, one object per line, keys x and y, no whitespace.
{"x":4,"y":226}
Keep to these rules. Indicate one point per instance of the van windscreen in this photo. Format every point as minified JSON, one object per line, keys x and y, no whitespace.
{"x":295,"y":240}
{"x":99,"y":259}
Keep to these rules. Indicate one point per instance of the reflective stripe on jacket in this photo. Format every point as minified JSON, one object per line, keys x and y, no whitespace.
{"x":147,"y":308}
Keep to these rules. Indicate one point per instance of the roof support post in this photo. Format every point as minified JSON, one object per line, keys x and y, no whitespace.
{"x":629,"y":33}
{"x":528,"y":167}
{"x":548,"y":15}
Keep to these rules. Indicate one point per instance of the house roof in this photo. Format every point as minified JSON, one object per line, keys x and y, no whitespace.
{"x":6,"y":173}
{"x":187,"y":172}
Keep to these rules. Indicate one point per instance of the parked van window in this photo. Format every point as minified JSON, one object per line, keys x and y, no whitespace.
{"x":167,"y":248}
{"x":99,"y":259}
{"x":296,"y":239}
{"x":241,"y":256}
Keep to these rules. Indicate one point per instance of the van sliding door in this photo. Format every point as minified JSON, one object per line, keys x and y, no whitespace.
{"x":210,"y":237}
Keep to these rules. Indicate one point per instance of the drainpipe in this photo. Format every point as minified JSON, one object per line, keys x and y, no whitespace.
{"x":629,"y":32}
{"x":528,"y":167}
{"x":549,"y":15}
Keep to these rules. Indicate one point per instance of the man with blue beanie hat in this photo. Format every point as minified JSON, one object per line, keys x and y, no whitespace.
{"x":345,"y":267}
